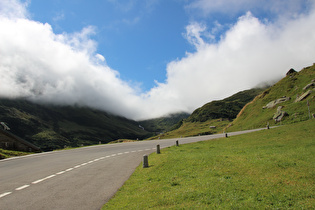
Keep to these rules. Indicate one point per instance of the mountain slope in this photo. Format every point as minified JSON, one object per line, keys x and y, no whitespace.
{"x":287,"y":91}
{"x":54,"y":127}
{"x":163,"y":124}
{"x":212,"y":117}
{"x":227,"y":108}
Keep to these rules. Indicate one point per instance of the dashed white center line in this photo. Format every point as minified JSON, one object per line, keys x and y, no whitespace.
{"x":61,"y":172}
{"x":37,"y":181}
{"x":69,"y":169}
{"x":5,"y":194}
{"x":22,"y":187}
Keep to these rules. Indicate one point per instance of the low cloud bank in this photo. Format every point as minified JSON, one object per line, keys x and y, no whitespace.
{"x":65,"y":68}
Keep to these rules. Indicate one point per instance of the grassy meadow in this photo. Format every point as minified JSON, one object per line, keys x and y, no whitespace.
{"x":269,"y":169}
{"x":195,"y":128}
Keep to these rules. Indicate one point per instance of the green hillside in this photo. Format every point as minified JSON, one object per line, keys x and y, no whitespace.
{"x":212,"y":117}
{"x":163,"y":124}
{"x":227,"y":108}
{"x":54,"y":127}
{"x":289,"y":92}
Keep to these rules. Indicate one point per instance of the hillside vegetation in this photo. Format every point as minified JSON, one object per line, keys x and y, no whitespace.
{"x":212,"y":117}
{"x":269,"y":169}
{"x":227,"y":108}
{"x":289,"y":90}
{"x":55,"y":127}
{"x":163,"y":124}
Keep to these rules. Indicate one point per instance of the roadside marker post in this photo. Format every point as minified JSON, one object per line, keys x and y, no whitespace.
{"x":158,"y":149}
{"x":145,"y":161}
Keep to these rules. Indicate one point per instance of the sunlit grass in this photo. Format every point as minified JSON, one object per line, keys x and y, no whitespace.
{"x":268,"y":169}
{"x":10,"y":153}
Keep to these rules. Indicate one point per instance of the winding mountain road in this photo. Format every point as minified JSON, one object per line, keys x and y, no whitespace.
{"x":83,"y":178}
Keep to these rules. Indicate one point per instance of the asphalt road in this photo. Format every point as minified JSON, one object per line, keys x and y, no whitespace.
{"x":83,"y":178}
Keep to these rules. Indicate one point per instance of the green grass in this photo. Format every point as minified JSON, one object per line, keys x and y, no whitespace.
{"x":10,"y":153}
{"x":195,"y":128}
{"x":270,"y":169}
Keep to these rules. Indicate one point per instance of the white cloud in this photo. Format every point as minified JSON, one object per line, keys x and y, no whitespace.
{"x":100,"y":57}
{"x":13,"y":9}
{"x":62,"y":68}
{"x":250,"y":52}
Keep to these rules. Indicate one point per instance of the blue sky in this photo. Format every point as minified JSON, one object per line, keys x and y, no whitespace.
{"x":146,"y":59}
{"x":137,"y":38}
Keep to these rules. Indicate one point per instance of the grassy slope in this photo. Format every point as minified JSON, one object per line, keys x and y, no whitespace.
{"x":215,"y":113}
{"x":163,"y":124}
{"x":253,"y":116}
{"x":195,"y":128}
{"x":227,"y":108}
{"x":267,"y":169}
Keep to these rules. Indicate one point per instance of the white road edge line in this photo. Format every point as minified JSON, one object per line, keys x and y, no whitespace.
{"x":5,"y":194}
{"x":22,"y":187}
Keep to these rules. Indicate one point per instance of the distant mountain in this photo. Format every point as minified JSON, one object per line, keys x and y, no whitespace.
{"x":288,"y":101}
{"x":227,"y":108}
{"x":163,"y":124}
{"x":54,"y":127}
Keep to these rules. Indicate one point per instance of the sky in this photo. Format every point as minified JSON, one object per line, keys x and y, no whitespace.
{"x":146,"y":59}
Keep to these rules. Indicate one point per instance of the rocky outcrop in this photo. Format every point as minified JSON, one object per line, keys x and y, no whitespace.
{"x":279,"y":115}
{"x":290,"y":72}
{"x":275,"y":102}
{"x":309,"y":86}
{"x":303,"y":96}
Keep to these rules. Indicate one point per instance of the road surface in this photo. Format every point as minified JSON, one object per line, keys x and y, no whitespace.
{"x":83,"y":178}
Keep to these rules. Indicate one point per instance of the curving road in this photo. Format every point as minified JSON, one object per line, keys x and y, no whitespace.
{"x":83,"y":178}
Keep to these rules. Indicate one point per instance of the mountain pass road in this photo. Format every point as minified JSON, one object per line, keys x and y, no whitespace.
{"x":83,"y":178}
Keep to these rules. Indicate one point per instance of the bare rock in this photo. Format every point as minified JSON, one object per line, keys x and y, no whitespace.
{"x":303,"y":96}
{"x":279,"y":115}
{"x":275,"y":102}
{"x":309,"y":85}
